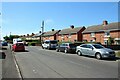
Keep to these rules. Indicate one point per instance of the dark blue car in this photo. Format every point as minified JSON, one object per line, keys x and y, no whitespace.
{"x":4,"y":43}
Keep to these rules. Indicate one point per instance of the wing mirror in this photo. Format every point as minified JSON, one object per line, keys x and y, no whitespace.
{"x":92,"y":48}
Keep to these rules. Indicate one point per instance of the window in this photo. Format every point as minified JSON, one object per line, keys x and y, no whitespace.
{"x":98,"y":46}
{"x":62,"y":45}
{"x":66,"y":44}
{"x":91,"y":40}
{"x":105,"y":42}
{"x":53,"y":42}
{"x":69,"y":36}
{"x":62,"y":36}
{"x":72,"y":45}
{"x":84,"y":46}
{"x":46,"y":42}
{"x":107,"y":33}
{"x":89,"y":46}
{"x":92,"y":35}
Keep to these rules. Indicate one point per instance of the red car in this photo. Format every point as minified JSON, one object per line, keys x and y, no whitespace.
{"x":18,"y":47}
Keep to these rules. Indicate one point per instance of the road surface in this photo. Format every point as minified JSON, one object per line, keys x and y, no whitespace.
{"x":41,"y":63}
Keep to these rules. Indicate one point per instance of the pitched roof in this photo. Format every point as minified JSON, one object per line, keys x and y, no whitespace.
{"x":70,"y":30}
{"x":50,"y":33}
{"x":37,"y":35}
{"x":101,"y":28}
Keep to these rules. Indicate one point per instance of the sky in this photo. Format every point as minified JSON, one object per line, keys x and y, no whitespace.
{"x":21,"y":18}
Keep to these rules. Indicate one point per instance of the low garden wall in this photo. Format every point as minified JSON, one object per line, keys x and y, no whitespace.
{"x":114,"y":47}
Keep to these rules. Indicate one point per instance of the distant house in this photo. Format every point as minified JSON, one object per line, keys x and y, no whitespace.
{"x":28,"y":37}
{"x":71,"y":34}
{"x":37,"y":36}
{"x":102,"y":33}
{"x":50,"y":35}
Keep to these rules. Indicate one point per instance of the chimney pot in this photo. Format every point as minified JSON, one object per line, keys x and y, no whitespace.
{"x":105,"y":22}
{"x":53,"y":30}
{"x":72,"y":26}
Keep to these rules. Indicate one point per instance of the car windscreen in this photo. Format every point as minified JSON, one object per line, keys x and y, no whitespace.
{"x":98,"y":46}
{"x":53,"y":42}
{"x":47,"y":42}
{"x":19,"y":41}
{"x":19,"y":44}
{"x":72,"y":45}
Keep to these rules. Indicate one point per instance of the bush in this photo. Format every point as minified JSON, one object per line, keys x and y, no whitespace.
{"x":118,"y":54}
{"x":64,"y":42}
{"x":32,"y":43}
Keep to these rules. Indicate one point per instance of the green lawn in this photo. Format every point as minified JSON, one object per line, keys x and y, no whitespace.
{"x":118,"y":54}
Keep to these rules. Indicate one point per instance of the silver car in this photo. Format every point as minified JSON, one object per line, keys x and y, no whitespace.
{"x":95,"y":50}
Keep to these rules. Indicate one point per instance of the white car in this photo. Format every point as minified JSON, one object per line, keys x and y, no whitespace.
{"x":49,"y":44}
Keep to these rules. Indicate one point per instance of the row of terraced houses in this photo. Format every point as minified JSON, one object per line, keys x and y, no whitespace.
{"x":96,"y":33}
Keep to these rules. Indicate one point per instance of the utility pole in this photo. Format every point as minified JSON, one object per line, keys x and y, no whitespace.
{"x":10,"y":33}
{"x":0,"y":33}
{"x":42,"y":31}
{"x":42,"y":27}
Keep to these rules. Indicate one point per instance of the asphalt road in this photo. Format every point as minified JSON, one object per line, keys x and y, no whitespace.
{"x":41,"y":63}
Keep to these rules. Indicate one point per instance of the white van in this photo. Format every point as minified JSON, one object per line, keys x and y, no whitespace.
{"x":50,"y":44}
{"x":16,"y":40}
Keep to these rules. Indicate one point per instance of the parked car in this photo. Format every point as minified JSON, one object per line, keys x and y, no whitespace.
{"x":95,"y":50}
{"x":4,"y":43}
{"x":66,"y":47}
{"x":2,"y":54}
{"x":18,"y":47}
{"x":50,"y":44}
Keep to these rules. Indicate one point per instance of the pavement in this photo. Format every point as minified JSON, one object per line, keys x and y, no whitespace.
{"x":9,"y":70}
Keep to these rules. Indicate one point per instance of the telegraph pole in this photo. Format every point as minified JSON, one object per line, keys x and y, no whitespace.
{"x":42,"y":27}
{"x":0,"y":33}
{"x":42,"y":31}
{"x":0,"y":27}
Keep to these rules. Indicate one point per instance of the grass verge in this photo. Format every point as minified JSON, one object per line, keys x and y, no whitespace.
{"x":118,"y":54}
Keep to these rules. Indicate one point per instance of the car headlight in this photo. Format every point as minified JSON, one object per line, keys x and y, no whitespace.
{"x":107,"y":52}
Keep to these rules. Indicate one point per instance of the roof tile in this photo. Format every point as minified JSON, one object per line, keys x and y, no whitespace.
{"x":100,"y":28}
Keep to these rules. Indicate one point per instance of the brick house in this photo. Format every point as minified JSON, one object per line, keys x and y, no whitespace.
{"x":50,"y":35}
{"x":71,"y":34}
{"x":101,"y":33}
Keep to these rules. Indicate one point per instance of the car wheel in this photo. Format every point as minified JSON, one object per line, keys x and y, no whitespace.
{"x":48,"y":48}
{"x":79,"y":53}
{"x":14,"y":50}
{"x":42,"y":47}
{"x":57,"y":50}
{"x":98,"y":56}
{"x":65,"y":51}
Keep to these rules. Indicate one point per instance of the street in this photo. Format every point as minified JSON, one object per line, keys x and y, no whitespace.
{"x":41,"y":63}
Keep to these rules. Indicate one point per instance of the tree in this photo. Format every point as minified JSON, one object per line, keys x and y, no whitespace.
{"x":10,"y":38}
{"x":6,"y":38}
{"x":110,"y":41}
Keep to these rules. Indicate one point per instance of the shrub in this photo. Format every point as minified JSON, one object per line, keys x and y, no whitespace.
{"x":118,"y":54}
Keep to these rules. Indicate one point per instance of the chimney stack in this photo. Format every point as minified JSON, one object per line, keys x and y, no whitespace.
{"x":105,"y":22}
{"x":72,"y":26}
{"x":53,"y":30}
